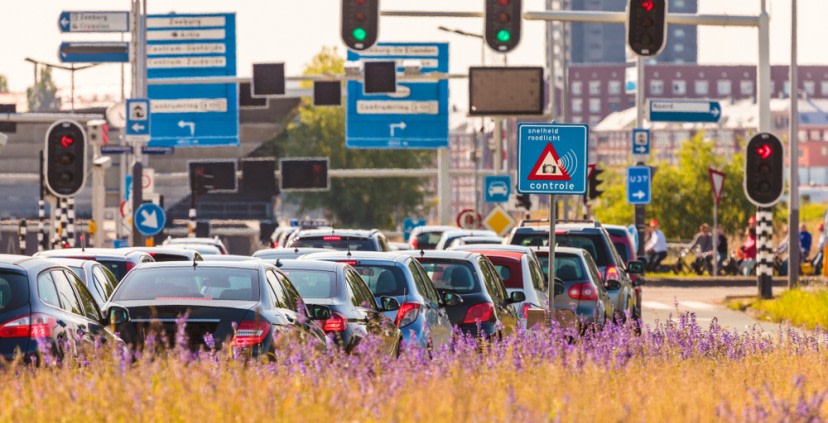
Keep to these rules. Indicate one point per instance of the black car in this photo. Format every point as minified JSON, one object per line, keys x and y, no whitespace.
{"x":97,"y":278}
{"x":119,"y":261}
{"x":340,"y":239}
{"x":209,"y":298}
{"x":44,"y":304}
{"x":354,"y":311}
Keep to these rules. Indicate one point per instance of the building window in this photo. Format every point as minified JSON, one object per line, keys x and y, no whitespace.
{"x":746,"y":87}
{"x":786,"y":89}
{"x":723,"y":87}
{"x":824,"y":86}
{"x":614,"y":87}
{"x":594,"y":87}
{"x":824,"y":151}
{"x":678,"y":32}
{"x":678,"y":47}
{"x":679,"y":87}
{"x":576,"y":88}
{"x":595,"y":105}
{"x":614,"y":106}
{"x":656,"y":87}
{"x":701,"y":87}
{"x":577,"y":105}
{"x":810,"y":88}
{"x":593,"y":120}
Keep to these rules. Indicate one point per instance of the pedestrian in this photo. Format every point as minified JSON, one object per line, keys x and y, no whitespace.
{"x":721,"y":247}
{"x":656,"y":247}
{"x":703,"y":243}
{"x":749,"y":251}
{"x":804,"y":242}
{"x":818,"y":254}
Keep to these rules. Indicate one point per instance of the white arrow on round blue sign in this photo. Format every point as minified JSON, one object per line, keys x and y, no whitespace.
{"x":149,"y":219}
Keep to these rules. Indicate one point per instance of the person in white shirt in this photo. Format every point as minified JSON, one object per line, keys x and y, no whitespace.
{"x":656,"y":247}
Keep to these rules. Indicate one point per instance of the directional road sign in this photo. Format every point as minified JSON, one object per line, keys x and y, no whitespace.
{"x":641,"y":141}
{"x":497,"y":188}
{"x":93,"y":52}
{"x":116,"y":149}
{"x":638,"y":185}
{"x":93,"y":22}
{"x":188,"y":46}
{"x":552,"y":158}
{"x":685,"y":111}
{"x":138,"y":119}
{"x":149,"y":219}
{"x":415,"y":116}
{"x":409,"y":224}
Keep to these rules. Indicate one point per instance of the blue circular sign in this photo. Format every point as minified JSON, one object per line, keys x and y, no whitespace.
{"x":149,"y":219}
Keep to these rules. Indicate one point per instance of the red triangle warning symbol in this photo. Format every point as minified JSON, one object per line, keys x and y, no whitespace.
{"x":549,"y":167}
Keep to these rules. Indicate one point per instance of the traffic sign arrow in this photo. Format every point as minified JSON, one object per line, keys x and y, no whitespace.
{"x":150,"y":219}
{"x":394,"y":126}
{"x":64,"y":24}
{"x":685,"y":111}
{"x":138,"y":127}
{"x":641,"y":149}
{"x":639,"y":195}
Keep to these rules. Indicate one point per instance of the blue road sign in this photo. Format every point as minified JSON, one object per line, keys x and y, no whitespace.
{"x":497,"y":188}
{"x":93,"y":52}
{"x":157,"y":151}
{"x":638,"y":185}
{"x":641,"y":141}
{"x":138,"y":118}
{"x":685,"y":111}
{"x":552,"y":158}
{"x":188,"y":46}
{"x":93,"y":21}
{"x":116,"y":149}
{"x":409,"y":224}
{"x":149,"y":219}
{"x":416,"y":116}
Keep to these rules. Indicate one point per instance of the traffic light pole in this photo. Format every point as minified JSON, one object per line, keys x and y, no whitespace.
{"x":793,"y":205}
{"x":640,"y":210}
{"x":550,"y":288}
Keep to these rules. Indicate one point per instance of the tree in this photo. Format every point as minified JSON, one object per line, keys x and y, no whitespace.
{"x":4,"y":83}
{"x":43,"y":96}
{"x":320,"y":131}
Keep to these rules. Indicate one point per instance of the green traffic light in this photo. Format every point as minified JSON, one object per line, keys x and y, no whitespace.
{"x":504,"y":35}
{"x":359,"y":34}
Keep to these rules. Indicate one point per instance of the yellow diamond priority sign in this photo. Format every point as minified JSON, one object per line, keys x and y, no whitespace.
{"x":499,"y":221}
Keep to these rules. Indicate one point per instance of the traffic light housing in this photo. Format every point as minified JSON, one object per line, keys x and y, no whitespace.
{"x":592,"y":189}
{"x":65,"y":158}
{"x":502,"y":24}
{"x":523,"y":200}
{"x":764,"y":170}
{"x":307,"y":174}
{"x":647,"y":26}
{"x":360,"y":23}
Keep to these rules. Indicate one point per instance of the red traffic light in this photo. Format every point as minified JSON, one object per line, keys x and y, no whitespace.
{"x":504,"y":3}
{"x":764,"y":151}
{"x":66,"y":141}
{"x":647,"y":5}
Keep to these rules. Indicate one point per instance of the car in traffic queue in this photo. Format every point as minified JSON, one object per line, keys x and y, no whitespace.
{"x":245,"y":304}
{"x":340,"y":239}
{"x":280,"y":234}
{"x":449,"y":236}
{"x":427,"y":237}
{"x":474,"y":240}
{"x":97,"y":278}
{"x":45,"y":306}
{"x":192,"y":243}
{"x":592,"y":237}
{"x":486,"y":308}
{"x":169,"y":253}
{"x":354,"y":312}
{"x":624,"y":244}
{"x":118,"y":261}
{"x":273,"y":254}
{"x":422,"y":317}
{"x":584,"y":290}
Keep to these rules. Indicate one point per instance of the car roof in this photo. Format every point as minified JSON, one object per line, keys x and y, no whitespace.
{"x":433,"y":228}
{"x":177,"y":249}
{"x":543,"y":251}
{"x":289,"y":251}
{"x":92,"y":253}
{"x":447,"y":254}
{"x":21,"y":262}
{"x":248,"y":264}
{"x":395,"y":256}
{"x":481,"y":238}
{"x":72,"y":261}
{"x":500,"y":253}
{"x":327,"y":266}
{"x":228,"y":257}
{"x":193,"y":241}
{"x":492,"y":247}
{"x":469,"y":232}
{"x":334,"y":232}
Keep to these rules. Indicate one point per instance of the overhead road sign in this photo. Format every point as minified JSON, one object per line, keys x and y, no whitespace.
{"x":641,"y":142}
{"x":639,"y":185}
{"x":192,"y":46}
{"x":415,"y":116}
{"x":497,"y":188}
{"x":96,"y":21}
{"x":138,"y":119}
{"x":149,"y":219}
{"x":93,"y":52}
{"x":705,"y":111}
{"x":552,"y":158}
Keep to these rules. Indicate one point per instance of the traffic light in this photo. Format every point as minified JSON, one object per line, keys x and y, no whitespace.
{"x":360,"y":23}
{"x":523,"y":200}
{"x":647,"y":26}
{"x":592,"y":191}
{"x":503,"y":18}
{"x":309,"y":174}
{"x":213,"y":175}
{"x":764,"y":170}
{"x":65,"y":164}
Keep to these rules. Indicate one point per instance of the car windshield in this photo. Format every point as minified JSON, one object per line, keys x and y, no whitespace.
{"x":383,"y":279}
{"x":201,"y":283}
{"x":622,"y":251}
{"x":453,"y":275}
{"x":313,"y":283}
{"x":334,"y":242}
{"x":569,"y":268}
{"x":14,"y":290}
{"x":429,"y":240}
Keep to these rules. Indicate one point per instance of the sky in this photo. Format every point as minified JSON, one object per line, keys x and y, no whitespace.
{"x":293,"y":31}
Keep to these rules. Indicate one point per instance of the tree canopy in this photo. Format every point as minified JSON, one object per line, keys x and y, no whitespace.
{"x":43,"y":97}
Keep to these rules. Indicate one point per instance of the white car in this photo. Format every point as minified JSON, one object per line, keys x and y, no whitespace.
{"x":498,"y":188}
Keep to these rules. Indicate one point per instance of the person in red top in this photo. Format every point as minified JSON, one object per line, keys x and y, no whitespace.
{"x":749,"y":250}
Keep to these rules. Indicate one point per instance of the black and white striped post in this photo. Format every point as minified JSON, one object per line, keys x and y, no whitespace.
{"x":764,"y":251}
{"x":70,"y":221}
{"x":22,"y":231}
{"x":64,"y":222}
{"x":41,"y":225}
{"x":193,"y":222}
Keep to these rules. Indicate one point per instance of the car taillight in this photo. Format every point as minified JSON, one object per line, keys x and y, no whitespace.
{"x":250,"y":332}
{"x":35,"y":325}
{"x":350,"y":262}
{"x":611,"y":274}
{"x":407,"y":314}
{"x":524,"y":310}
{"x":129,"y":266}
{"x":583,"y":291}
{"x":414,"y":243}
{"x":337,"y":323}
{"x":331,"y":238}
{"x":479,"y":313}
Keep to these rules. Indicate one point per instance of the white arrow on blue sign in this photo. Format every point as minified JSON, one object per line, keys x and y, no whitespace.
{"x":149,"y":219}
{"x":93,"y":22}
{"x":638,"y":185}
{"x":706,"y":111}
{"x":641,"y":141}
{"x":138,"y":119}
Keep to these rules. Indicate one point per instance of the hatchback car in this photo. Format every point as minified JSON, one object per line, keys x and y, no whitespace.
{"x":340,"y":239}
{"x":584,"y":290}
{"x":427,"y":237}
{"x":44,"y":304}
{"x":485,"y":302}
{"x":422,"y":315}
{"x":215,"y":242}
{"x":242,"y":303}
{"x":97,"y":278}
{"x":354,"y":311}
{"x":118,"y":261}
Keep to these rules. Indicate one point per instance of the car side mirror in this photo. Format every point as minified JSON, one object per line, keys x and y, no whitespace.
{"x":451,"y":299}
{"x":517,"y":297}
{"x":318,"y":312}
{"x":116,"y":315}
{"x":560,"y":287}
{"x":389,"y":304}
{"x":612,"y":285}
{"x":635,"y":267}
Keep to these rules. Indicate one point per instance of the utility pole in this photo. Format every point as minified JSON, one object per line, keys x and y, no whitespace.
{"x":793,"y":205}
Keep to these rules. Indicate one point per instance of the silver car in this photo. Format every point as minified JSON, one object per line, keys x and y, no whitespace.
{"x":584,"y":290}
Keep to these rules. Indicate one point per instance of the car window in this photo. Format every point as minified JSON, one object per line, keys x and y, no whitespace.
{"x":383,"y":243}
{"x":421,"y":283}
{"x":491,"y":279}
{"x":46,"y":289}
{"x":313,"y":283}
{"x":103,"y":282}
{"x":362,"y":295}
{"x":622,"y":251}
{"x":292,"y":296}
{"x":90,"y":307}
{"x":279,"y":296}
{"x":535,"y":272}
{"x":366,"y":293}
{"x":68,"y":300}
{"x":428,"y":240}
{"x":592,"y":270}
{"x":334,"y":242}
{"x":118,"y":268}
{"x":452,"y":275}
{"x":383,"y":279}
{"x":188,"y":284}
{"x":569,"y":268}
{"x":431,"y":292}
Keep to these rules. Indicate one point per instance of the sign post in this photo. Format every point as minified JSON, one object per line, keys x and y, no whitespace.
{"x":552,"y":159}
{"x":716,"y":183}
